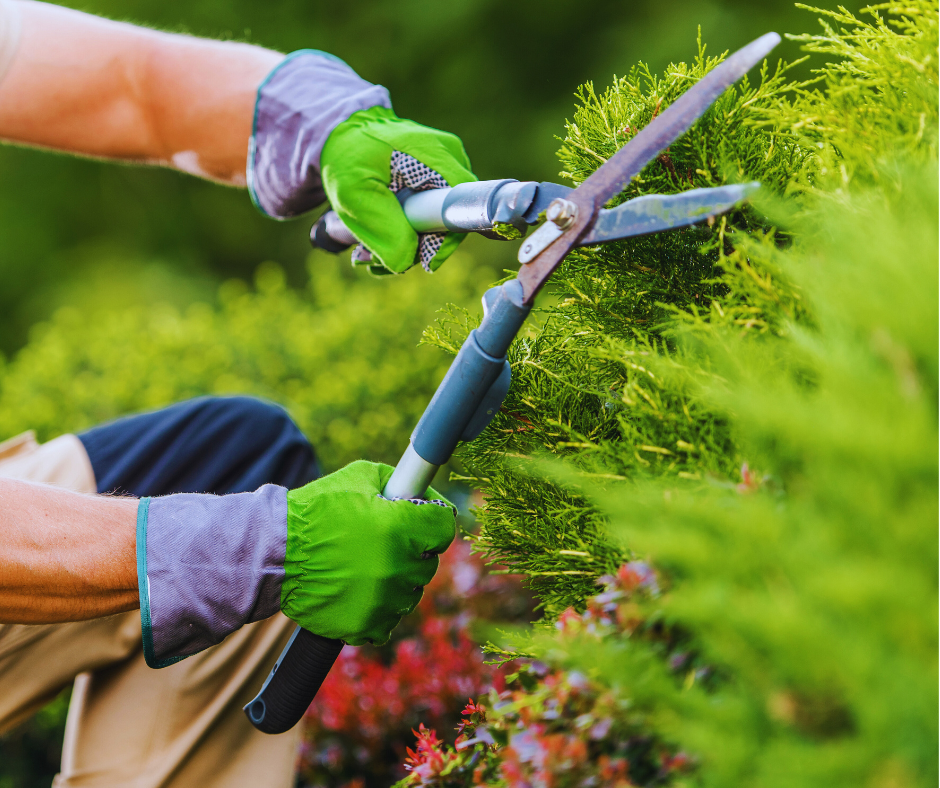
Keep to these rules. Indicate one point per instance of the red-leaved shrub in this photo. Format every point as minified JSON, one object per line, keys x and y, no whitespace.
{"x":361,"y":721}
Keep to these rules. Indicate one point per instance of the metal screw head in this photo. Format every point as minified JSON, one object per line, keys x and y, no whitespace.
{"x":562,"y":212}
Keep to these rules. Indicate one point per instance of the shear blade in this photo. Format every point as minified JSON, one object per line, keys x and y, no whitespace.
{"x":657,"y":212}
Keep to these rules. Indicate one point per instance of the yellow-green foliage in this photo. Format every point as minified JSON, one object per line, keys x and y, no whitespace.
{"x":342,"y":357}
{"x":727,"y":144}
{"x":808,"y":579}
{"x":584,"y":385}
{"x":602,"y":380}
{"x":812,"y":589}
{"x":877,"y":102}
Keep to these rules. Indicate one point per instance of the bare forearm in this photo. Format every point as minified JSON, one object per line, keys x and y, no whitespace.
{"x":92,"y":86}
{"x":64,"y":556}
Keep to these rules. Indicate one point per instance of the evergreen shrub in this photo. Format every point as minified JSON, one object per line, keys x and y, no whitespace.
{"x":583,"y":388}
{"x":752,"y":408}
{"x":341,"y":357}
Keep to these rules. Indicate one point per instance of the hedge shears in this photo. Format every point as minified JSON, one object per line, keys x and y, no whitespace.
{"x":479,"y":376}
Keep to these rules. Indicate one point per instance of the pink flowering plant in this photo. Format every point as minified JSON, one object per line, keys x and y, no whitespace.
{"x":551,"y":727}
{"x":359,"y":725}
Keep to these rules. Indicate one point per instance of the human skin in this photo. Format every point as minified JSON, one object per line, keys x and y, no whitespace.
{"x":99,"y":88}
{"x":65,"y":556}
{"x":95,"y":87}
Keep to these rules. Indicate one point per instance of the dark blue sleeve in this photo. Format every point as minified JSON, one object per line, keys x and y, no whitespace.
{"x":210,"y":444}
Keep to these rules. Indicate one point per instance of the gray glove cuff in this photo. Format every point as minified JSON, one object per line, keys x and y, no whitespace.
{"x":206,"y":565}
{"x":307,"y":96}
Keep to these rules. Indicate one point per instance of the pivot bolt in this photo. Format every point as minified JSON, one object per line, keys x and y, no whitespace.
{"x":562,"y":213}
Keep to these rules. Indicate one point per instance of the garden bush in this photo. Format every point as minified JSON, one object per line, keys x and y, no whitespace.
{"x":751,"y":407}
{"x":342,"y":357}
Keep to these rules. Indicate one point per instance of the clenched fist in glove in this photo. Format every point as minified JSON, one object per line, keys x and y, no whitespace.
{"x":322,"y":131}
{"x":335,"y":556}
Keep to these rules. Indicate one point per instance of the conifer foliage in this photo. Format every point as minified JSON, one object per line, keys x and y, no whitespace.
{"x":752,"y":408}
{"x":583,"y":387}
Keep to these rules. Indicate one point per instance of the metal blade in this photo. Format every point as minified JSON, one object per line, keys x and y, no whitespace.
{"x":657,"y":212}
{"x":613,"y":176}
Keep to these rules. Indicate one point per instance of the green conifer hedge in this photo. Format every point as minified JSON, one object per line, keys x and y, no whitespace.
{"x":610,"y":375}
{"x":583,"y":388}
{"x":754,"y":411}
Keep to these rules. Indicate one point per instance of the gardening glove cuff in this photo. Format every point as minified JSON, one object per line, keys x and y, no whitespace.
{"x":335,"y":556}
{"x":299,"y":104}
{"x":207,"y":565}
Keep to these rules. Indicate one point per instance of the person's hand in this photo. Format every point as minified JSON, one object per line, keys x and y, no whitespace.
{"x":335,"y":556}
{"x":370,"y":157}
{"x":358,"y":562}
{"x":321,"y":130}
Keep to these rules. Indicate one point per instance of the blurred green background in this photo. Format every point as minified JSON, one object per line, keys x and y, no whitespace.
{"x":501,"y":75}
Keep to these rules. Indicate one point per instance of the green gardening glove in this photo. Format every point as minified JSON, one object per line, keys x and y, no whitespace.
{"x":367,"y":159}
{"x":357,"y":562}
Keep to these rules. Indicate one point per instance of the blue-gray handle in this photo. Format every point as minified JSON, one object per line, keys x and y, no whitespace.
{"x":465,"y":208}
{"x":464,"y":403}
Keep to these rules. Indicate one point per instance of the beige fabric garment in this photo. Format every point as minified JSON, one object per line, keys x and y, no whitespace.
{"x":9,"y":34}
{"x":130,"y":726}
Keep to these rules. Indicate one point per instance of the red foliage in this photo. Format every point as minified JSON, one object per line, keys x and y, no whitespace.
{"x":555,"y":728}
{"x":427,"y":674}
{"x":429,"y":758}
{"x":373,"y":699}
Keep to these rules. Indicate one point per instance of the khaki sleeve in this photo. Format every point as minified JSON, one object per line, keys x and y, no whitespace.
{"x":9,"y":34}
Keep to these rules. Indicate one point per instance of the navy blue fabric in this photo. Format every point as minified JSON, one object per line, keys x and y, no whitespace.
{"x":206,"y":445}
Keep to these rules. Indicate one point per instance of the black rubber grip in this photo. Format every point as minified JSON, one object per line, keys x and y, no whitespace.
{"x":293,"y":682}
{"x":321,"y":239}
